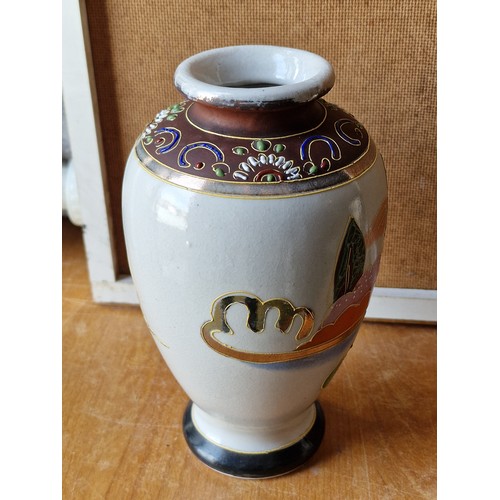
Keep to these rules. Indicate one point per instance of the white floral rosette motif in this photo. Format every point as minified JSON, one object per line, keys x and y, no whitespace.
{"x":271,"y":161}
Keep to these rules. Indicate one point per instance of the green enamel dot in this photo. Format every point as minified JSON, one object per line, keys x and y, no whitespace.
{"x":240,"y":151}
{"x":176,"y":108}
{"x":219,"y":172}
{"x":269,"y":178}
{"x":171,"y":117}
{"x":261,"y":145}
{"x":148,"y":140}
{"x":279,"y":148}
{"x":313,"y":169}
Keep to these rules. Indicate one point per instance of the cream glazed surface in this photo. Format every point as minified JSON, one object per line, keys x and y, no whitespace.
{"x":254,"y":215}
{"x":190,"y":248}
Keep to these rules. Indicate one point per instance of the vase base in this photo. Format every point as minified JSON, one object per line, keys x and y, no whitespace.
{"x":254,"y":465}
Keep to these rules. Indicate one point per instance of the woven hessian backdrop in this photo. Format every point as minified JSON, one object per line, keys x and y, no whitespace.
{"x":384,"y":56}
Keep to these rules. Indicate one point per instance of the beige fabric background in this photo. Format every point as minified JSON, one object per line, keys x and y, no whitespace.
{"x":384,"y":55}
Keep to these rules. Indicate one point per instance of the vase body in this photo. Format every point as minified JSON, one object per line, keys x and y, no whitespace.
{"x":254,"y":227}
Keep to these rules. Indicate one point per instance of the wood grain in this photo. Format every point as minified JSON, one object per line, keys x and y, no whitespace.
{"x":122,"y":411}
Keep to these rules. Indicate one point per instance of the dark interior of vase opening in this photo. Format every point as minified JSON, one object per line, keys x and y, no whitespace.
{"x":247,"y":85}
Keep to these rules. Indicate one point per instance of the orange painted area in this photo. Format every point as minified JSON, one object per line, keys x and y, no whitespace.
{"x":347,"y":321}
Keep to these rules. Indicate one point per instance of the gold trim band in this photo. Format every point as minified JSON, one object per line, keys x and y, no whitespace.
{"x":266,"y":358}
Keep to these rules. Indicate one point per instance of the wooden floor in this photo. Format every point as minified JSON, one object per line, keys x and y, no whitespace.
{"x":122,"y":411}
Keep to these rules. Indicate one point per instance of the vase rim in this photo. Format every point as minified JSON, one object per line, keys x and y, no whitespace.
{"x":254,"y":77}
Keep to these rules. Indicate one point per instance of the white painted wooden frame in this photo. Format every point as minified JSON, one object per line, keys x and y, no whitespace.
{"x":387,"y":304}
{"x":88,"y":159}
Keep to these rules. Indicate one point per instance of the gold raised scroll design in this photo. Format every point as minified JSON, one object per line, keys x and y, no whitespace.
{"x":257,"y":312}
{"x":307,"y":342}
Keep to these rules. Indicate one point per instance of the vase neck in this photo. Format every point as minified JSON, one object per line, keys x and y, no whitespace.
{"x":254,"y":77}
{"x":261,"y":123}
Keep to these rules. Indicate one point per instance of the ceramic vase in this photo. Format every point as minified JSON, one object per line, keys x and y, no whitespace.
{"x":254,"y":214}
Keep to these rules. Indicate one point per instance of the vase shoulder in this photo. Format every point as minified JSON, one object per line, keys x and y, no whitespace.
{"x":276,"y":153}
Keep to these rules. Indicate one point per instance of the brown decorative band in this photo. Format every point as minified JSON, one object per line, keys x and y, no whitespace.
{"x":301,"y":150}
{"x":281,"y":189}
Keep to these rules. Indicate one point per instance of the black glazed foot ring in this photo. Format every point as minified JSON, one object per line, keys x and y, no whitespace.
{"x":254,"y":465}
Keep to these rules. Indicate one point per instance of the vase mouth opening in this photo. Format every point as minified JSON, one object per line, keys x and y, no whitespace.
{"x":254,"y":76}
